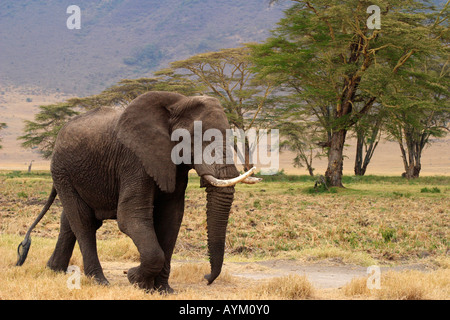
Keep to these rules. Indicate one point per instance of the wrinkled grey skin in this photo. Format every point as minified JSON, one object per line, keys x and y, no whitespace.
{"x":109,"y":164}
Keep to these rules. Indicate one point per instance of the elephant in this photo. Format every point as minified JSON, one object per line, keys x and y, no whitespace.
{"x":116,"y":164}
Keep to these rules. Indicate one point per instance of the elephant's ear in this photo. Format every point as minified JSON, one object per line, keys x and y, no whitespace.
{"x":144,"y":129}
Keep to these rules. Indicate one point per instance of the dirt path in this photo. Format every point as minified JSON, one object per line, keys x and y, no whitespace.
{"x":326,"y":274}
{"x":322,"y":275}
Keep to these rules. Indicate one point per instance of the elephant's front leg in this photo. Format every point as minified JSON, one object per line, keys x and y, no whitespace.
{"x":135,"y":219}
{"x":168,"y":215}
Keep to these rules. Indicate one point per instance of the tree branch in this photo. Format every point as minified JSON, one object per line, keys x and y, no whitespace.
{"x":402,"y":60}
{"x":323,"y":19}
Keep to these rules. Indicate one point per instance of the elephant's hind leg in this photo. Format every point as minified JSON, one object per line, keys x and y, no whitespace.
{"x":59,"y":261}
{"x":84,"y":225}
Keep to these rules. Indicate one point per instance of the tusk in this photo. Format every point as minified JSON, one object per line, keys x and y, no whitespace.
{"x":251,"y":180}
{"x":231,"y":182}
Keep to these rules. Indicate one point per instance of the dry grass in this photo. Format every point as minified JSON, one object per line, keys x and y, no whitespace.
{"x":193,"y":273}
{"x":373,"y":221}
{"x":34,"y":281}
{"x":292,"y":287}
{"x":405,"y":285}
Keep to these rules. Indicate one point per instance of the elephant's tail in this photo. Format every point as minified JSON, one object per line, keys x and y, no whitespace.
{"x":24,"y":246}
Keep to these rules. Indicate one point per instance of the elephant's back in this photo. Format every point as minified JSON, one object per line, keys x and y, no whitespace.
{"x":92,"y":122}
{"x":83,"y":154}
{"x":87,"y":138}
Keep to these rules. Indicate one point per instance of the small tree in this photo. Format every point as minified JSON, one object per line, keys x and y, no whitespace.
{"x":302,"y":138}
{"x":412,"y":129}
{"x":42,"y":132}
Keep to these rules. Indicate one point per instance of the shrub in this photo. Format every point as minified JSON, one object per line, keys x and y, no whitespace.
{"x":388,"y":234}
{"x":22,"y":194}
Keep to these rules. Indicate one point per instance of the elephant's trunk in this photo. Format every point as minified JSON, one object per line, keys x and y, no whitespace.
{"x":217,"y":210}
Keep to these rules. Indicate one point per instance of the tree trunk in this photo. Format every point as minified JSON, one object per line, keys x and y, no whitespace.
{"x":247,"y":164}
{"x":412,"y":172}
{"x":309,"y":163}
{"x":311,"y":171}
{"x":359,"y":154}
{"x":335,"y":159}
{"x":244,"y":158}
{"x":29,"y":166}
{"x":360,"y":165}
{"x":411,"y":157}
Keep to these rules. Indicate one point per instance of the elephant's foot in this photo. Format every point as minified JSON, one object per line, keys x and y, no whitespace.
{"x":57,"y":267}
{"x":162,"y":284}
{"x":164,"y":289}
{"x":101,"y":280}
{"x":98,"y":277}
{"x":135,"y":276}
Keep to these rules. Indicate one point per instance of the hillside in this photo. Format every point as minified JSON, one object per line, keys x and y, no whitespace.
{"x":118,"y":38}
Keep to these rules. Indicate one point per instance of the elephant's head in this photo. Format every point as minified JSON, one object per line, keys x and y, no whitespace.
{"x":146,"y":127}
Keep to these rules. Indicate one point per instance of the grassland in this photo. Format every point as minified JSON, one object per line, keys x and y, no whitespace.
{"x":375,"y":220}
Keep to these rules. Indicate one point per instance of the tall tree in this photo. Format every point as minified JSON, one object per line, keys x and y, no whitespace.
{"x":418,"y":98}
{"x":326,"y":51}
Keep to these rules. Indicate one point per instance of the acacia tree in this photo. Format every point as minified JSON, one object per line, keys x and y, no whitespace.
{"x":126,"y":90}
{"x":420,"y":111}
{"x":227,"y":74}
{"x":302,"y":138}
{"x":418,"y":100}
{"x":42,"y":132}
{"x":328,"y":54}
{"x":412,"y":129}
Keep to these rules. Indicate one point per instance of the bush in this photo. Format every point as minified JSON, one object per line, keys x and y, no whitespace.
{"x":430,"y":190}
